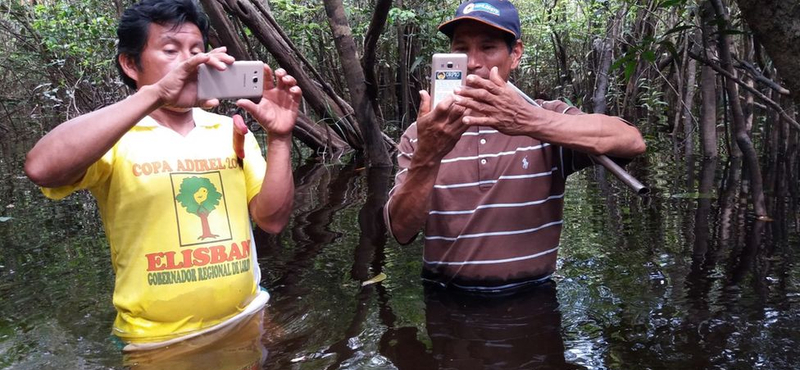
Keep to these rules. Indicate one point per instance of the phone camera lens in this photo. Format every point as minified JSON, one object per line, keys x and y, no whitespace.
{"x":449,"y":64}
{"x":255,"y":79}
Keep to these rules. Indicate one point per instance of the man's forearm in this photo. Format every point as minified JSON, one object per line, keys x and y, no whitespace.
{"x":587,"y":133}
{"x":63,"y":155}
{"x":272,"y":207}
{"x":411,"y":203}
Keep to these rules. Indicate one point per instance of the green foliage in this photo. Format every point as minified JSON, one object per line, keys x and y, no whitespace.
{"x":651,"y":99}
{"x":59,"y":61}
{"x":402,"y":16}
{"x":60,"y":55}
{"x":75,"y":30}
{"x":190,"y":191}
{"x":300,"y":11}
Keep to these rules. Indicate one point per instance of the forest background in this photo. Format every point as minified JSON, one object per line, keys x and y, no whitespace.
{"x":700,"y":79}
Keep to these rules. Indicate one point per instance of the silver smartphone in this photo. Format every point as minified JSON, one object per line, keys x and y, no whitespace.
{"x":242,"y":79}
{"x":448,"y":72}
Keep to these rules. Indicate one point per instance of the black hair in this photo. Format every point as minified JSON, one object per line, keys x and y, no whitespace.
{"x":510,"y":40}
{"x":134,"y":26}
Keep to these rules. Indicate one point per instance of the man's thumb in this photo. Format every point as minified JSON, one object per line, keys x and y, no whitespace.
{"x":239,"y":130}
{"x":494,"y":76}
{"x":424,"y":103}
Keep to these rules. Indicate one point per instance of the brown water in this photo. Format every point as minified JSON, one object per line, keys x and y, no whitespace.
{"x":684,"y":279}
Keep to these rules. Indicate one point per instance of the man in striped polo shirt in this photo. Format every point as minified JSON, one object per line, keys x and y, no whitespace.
{"x":483,"y":172}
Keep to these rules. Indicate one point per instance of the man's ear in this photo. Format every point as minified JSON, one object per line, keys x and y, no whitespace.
{"x":516,"y":54}
{"x":129,"y":66}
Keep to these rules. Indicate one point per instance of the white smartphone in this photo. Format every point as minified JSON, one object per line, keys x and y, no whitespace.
{"x":448,"y":72}
{"x":242,"y":79}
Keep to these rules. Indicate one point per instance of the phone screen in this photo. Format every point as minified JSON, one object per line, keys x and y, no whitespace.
{"x":447,"y":73}
{"x":446,"y":82}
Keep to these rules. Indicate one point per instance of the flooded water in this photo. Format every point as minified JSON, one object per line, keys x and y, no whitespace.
{"x":682,"y":279}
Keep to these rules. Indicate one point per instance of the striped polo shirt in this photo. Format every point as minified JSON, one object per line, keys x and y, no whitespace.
{"x":496,"y":208}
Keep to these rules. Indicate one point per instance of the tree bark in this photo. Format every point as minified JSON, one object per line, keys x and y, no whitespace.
{"x":225,"y":29}
{"x":323,"y":100}
{"x":643,"y":28}
{"x":728,"y":76}
{"x":776,"y":25}
{"x":320,"y":138}
{"x":402,"y":74}
{"x":377,"y":155}
{"x":564,"y":77}
{"x":605,"y":48}
{"x":374,"y":31}
{"x":688,"y":105}
{"x":742,"y":138}
{"x":708,"y":113}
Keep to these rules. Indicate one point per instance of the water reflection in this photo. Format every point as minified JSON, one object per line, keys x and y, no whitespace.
{"x":522,"y":331}
{"x":368,"y":261}
{"x":237,"y":347}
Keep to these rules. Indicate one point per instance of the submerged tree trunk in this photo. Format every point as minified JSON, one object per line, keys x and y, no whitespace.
{"x":742,"y":138}
{"x":688,"y":105}
{"x":708,"y":113}
{"x":377,"y":154}
{"x":708,"y":87}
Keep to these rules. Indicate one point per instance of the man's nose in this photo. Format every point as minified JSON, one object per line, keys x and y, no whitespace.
{"x":186,"y":54}
{"x":473,"y":64}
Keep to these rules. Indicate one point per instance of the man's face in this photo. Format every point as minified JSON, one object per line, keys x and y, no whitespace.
{"x":485,"y":47}
{"x":167,"y":46}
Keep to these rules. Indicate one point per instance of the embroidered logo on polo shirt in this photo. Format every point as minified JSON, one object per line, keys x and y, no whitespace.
{"x":525,"y":163}
{"x":482,"y":7}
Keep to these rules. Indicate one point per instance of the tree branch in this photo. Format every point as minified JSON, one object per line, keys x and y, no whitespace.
{"x":758,"y":76}
{"x":747,"y":87}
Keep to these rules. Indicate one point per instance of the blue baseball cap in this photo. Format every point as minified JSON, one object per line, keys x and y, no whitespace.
{"x":500,"y":14}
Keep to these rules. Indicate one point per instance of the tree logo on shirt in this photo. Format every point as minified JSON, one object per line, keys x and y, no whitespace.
{"x":199,"y":197}
{"x":201,"y":204}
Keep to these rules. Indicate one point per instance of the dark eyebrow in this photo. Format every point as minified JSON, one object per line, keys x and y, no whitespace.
{"x":486,"y":38}
{"x":169,"y":39}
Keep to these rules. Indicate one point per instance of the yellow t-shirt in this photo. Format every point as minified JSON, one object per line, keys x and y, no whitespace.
{"x":175,"y":213}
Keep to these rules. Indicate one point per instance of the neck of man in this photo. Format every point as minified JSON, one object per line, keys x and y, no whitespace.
{"x":179,"y":120}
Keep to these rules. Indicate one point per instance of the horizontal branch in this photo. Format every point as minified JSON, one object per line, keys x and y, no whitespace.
{"x":758,"y":76}
{"x":747,"y":87}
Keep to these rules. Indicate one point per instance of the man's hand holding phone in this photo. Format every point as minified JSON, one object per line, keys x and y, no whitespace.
{"x":277,"y":110}
{"x":274,"y":104}
{"x":178,"y":88}
{"x":439,"y":124}
{"x":496,"y":105}
{"x":241,"y":79}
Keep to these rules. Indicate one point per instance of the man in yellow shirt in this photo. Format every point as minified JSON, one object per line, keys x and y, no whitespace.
{"x":175,"y":197}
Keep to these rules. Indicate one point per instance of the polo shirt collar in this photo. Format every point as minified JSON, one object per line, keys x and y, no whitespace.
{"x":199,"y":115}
